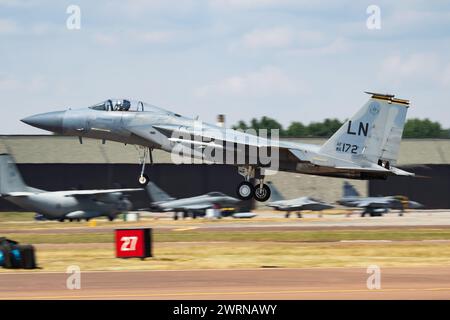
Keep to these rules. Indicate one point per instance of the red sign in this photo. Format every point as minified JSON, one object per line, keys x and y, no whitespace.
{"x":133,"y":243}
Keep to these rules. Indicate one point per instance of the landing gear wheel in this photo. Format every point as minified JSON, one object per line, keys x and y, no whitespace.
{"x":262,"y":194}
{"x":111,"y":218}
{"x":245,"y":190}
{"x":144,"y":180}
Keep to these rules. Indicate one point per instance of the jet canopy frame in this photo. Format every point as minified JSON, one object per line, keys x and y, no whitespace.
{"x":126,"y":105}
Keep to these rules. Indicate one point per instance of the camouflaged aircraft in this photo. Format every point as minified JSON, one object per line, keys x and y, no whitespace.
{"x":71,"y":205}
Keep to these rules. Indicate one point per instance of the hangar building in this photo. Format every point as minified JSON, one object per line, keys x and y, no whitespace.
{"x":58,"y":163}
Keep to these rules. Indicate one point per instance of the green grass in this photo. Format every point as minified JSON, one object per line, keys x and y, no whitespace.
{"x":16,"y":216}
{"x":234,"y":236}
{"x":232,"y":255}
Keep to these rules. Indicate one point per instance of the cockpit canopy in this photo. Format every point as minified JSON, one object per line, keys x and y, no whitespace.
{"x":113,"y":105}
{"x":128,"y":105}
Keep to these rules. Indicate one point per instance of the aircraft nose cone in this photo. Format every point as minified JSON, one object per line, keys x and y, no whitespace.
{"x":51,"y":121}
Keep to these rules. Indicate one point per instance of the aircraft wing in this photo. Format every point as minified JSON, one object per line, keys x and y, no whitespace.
{"x":83,"y":193}
{"x":371,"y":203}
{"x":18,"y":194}
{"x":201,"y":206}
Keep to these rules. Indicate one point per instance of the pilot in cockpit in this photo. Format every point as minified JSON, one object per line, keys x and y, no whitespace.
{"x":122,"y":105}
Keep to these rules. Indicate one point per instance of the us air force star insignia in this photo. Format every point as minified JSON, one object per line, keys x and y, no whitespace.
{"x":374,"y":108}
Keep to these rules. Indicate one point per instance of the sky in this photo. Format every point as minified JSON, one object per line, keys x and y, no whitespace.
{"x":292,"y":60}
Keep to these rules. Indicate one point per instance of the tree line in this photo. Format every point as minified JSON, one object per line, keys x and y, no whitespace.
{"x":414,"y":128}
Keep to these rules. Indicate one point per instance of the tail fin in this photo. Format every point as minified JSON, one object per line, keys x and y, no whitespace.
{"x":350,"y":190}
{"x":10,"y":178}
{"x":275,"y":194}
{"x":373,"y":133}
{"x":156,"y":194}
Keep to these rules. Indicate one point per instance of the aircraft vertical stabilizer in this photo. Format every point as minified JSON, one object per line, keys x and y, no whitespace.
{"x":373,"y":134}
{"x":275,"y":194}
{"x":156,"y":194}
{"x":10,"y":178}
{"x":349,"y":190}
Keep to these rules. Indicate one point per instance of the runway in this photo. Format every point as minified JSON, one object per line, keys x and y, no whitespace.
{"x":264,"y":222}
{"x":315,"y":283}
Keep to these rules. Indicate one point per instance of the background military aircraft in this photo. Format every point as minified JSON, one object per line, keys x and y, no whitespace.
{"x":365,"y":147}
{"x":60,"y":205}
{"x":189,"y":207}
{"x":375,"y":206}
{"x":297,"y":205}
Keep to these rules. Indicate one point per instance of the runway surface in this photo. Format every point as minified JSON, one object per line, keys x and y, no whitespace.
{"x":264,"y":222}
{"x":317,"y":283}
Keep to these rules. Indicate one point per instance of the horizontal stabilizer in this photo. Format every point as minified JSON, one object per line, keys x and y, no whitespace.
{"x":400,"y":172}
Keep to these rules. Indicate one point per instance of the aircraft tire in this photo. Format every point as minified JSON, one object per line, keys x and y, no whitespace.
{"x":245,"y":190}
{"x":262,"y":194}
{"x":144,"y":180}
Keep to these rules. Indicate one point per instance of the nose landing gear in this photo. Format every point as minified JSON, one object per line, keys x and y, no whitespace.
{"x":143,"y":178}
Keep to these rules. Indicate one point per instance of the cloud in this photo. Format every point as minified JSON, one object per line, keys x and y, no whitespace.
{"x":8,"y":26}
{"x":338,"y":45}
{"x":264,"y":4}
{"x":154,"y":36}
{"x":413,"y":68}
{"x":34,"y":84}
{"x":290,"y":40}
{"x":268,"y":38}
{"x":105,"y":39}
{"x":267,"y":81}
{"x":136,"y":36}
{"x":16,"y":3}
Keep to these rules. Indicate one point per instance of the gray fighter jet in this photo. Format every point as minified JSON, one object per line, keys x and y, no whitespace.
{"x":299,"y":204}
{"x":188,"y":207}
{"x":60,"y":205}
{"x":365,"y":147}
{"x":375,"y":206}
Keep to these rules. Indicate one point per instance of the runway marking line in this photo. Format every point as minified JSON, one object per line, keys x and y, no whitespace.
{"x":228,"y":293}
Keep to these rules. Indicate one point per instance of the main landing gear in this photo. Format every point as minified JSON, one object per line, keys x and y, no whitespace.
{"x":143,"y":178}
{"x":246,"y":190}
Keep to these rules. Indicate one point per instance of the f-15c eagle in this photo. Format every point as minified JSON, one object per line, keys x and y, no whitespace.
{"x":365,"y":147}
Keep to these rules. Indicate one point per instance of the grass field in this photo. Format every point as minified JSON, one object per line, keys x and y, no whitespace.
{"x":412,"y":234}
{"x":186,"y":248}
{"x":226,"y":255}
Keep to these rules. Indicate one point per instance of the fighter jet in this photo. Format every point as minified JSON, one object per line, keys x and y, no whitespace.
{"x":188,"y":207}
{"x":60,"y":205}
{"x":365,"y":147}
{"x":298,"y":204}
{"x":375,"y":206}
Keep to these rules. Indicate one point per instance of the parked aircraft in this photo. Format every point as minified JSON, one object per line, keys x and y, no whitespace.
{"x":375,"y":206}
{"x":297,"y":205}
{"x":365,"y":147}
{"x":60,"y":205}
{"x":189,"y":207}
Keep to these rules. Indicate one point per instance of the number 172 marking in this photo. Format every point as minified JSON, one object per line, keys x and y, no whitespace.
{"x":347,"y":147}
